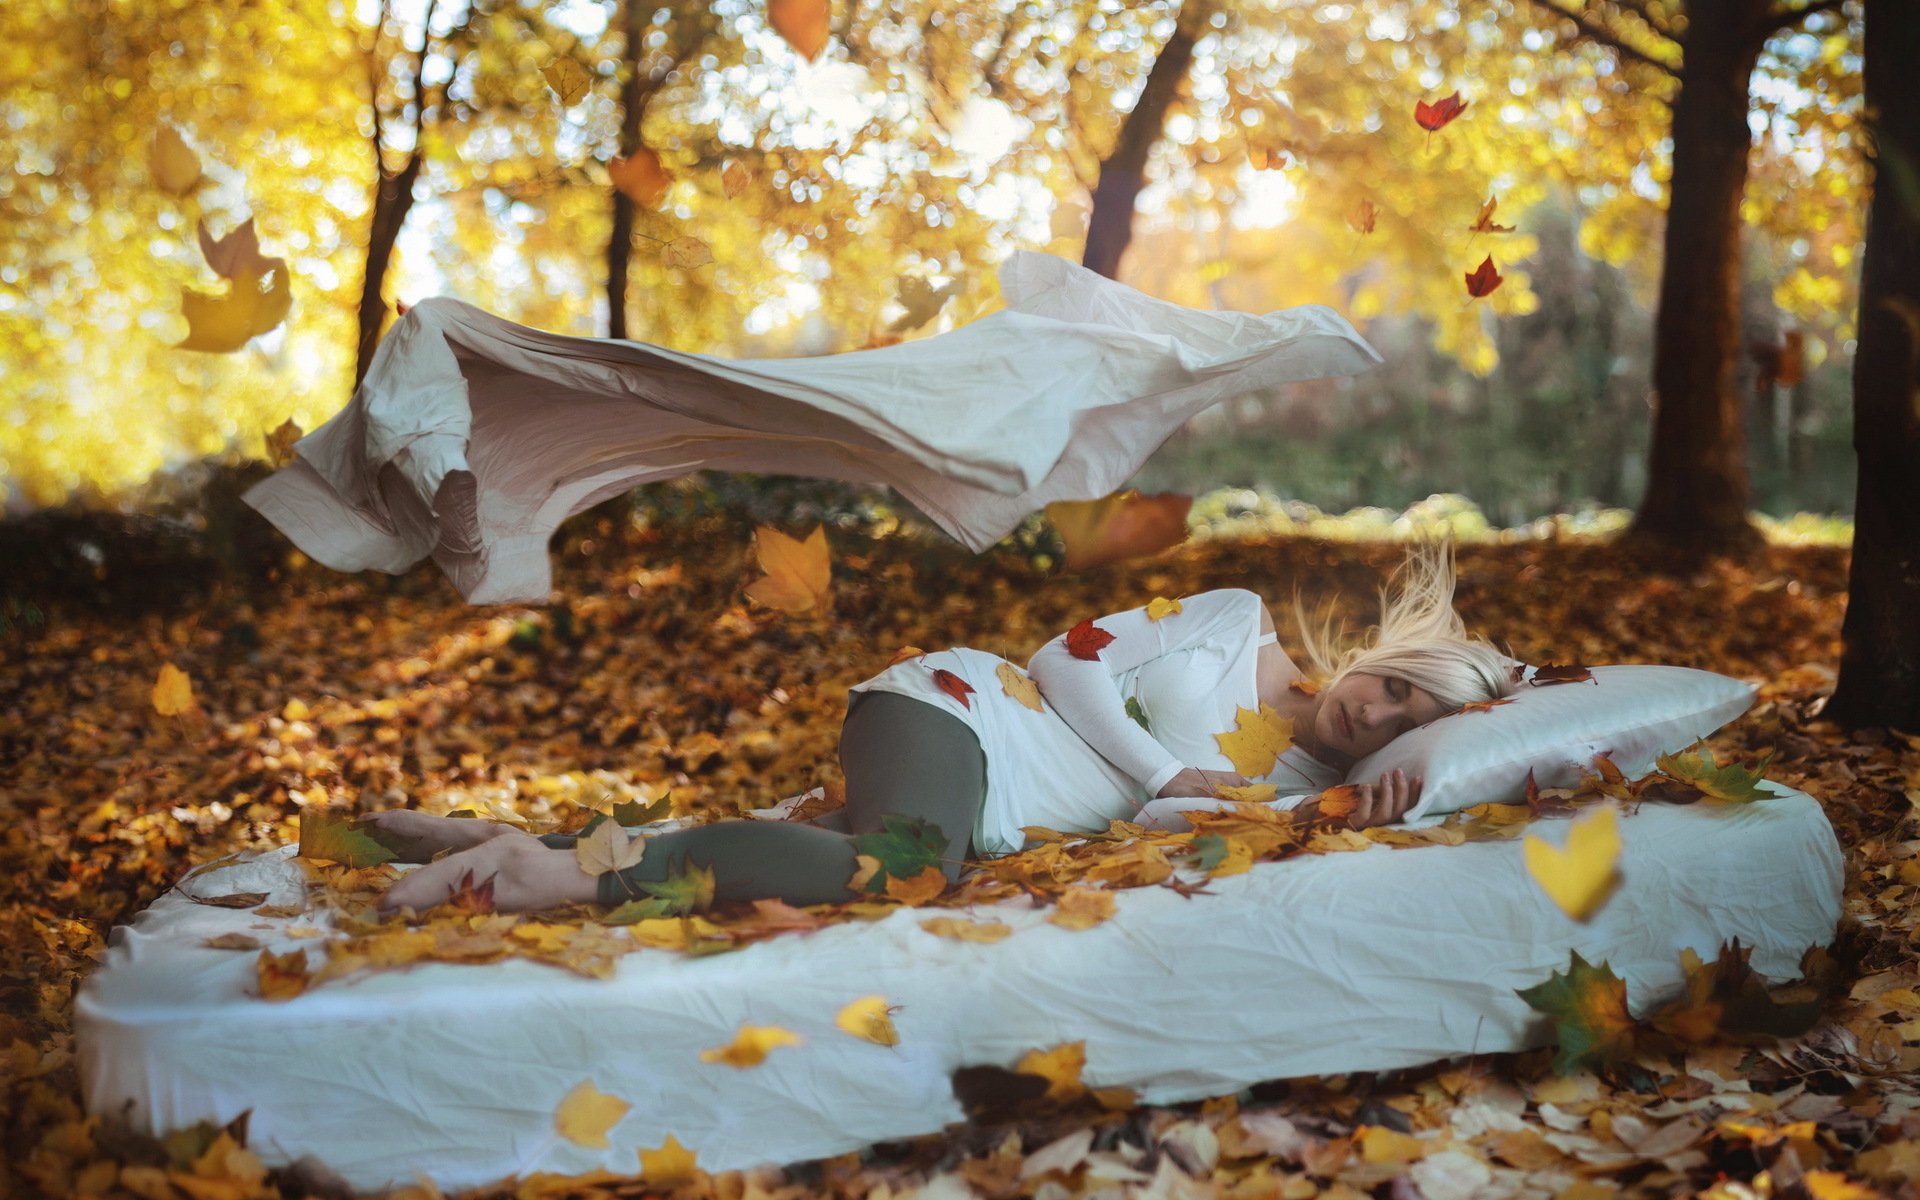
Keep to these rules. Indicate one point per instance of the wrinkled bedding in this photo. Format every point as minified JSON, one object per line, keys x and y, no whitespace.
{"x":1374,"y":959}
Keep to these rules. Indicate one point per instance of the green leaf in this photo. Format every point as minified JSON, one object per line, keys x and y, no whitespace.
{"x":629,"y":812}
{"x":687,"y":889}
{"x":1731,"y":783}
{"x":1588,"y":1005}
{"x":636,"y":910}
{"x":905,"y":847}
{"x":1137,"y":713}
{"x":1211,"y":849}
{"x":335,"y":839}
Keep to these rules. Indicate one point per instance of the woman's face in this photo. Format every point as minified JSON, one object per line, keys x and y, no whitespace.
{"x":1364,"y":712}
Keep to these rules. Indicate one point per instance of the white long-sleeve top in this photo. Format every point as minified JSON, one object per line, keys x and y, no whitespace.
{"x":1081,"y":761}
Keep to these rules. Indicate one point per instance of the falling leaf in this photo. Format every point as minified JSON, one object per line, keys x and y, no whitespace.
{"x":1483,"y":279}
{"x":1550,"y":674}
{"x":1159,"y":607}
{"x":1257,"y":739}
{"x":750,"y":1046}
{"x":609,"y":848}
{"x":586,"y":1114}
{"x":960,"y":929}
{"x":798,"y":572}
{"x":641,"y":176}
{"x":1016,"y":683}
{"x":1123,"y":525}
{"x":1484,"y":222}
{"x":953,"y":686}
{"x":173,"y":164}
{"x":282,"y":976}
{"x":1436,"y":115}
{"x":1082,"y":908}
{"x":803,"y":23}
{"x":1580,"y":877}
{"x":334,"y":839}
{"x":1267,"y":158}
{"x":685,"y":253}
{"x":868,"y":1019}
{"x":172,"y":691}
{"x":280,"y":442}
{"x":236,"y":254}
{"x":1732,"y":783}
{"x":1363,"y":216}
{"x":221,"y":324}
{"x":568,"y":79}
{"x":1588,"y":1005}
{"x":734,"y":179}
{"x":670,"y":1166}
{"x":921,"y":300}
{"x":1086,"y":640}
{"x":1068,"y":219}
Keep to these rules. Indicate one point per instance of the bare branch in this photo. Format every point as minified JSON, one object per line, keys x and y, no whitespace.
{"x":1594,"y":31}
{"x":1788,"y":18}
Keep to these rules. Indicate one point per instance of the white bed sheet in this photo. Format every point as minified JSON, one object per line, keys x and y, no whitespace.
{"x":1376,"y":959}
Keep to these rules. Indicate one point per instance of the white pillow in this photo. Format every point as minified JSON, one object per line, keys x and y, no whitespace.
{"x":1634,"y":712}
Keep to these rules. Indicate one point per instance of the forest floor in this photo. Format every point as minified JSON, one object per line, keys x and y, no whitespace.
{"x":650,"y":672}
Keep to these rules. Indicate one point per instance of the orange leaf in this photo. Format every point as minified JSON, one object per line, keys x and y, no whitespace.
{"x":1082,"y":908}
{"x":1474,"y":706}
{"x":1434,"y":116}
{"x":916,"y":890}
{"x":640,"y":176}
{"x":797,"y":572}
{"x":475,"y":901}
{"x":1086,"y":640}
{"x":803,"y":23}
{"x":282,"y":976}
{"x":1267,"y":158}
{"x":1570,"y":673}
{"x":1361,"y":219}
{"x":903,"y":654}
{"x":1484,"y":222}
{"x":1339,"y":801}
{"x":1305,"y":687}
{"x":1123,"y":525}
{"x":953,"y":686}
{"x":1483,"y":279}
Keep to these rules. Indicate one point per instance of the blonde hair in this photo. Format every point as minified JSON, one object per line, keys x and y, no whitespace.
{"x":1419,"y":638}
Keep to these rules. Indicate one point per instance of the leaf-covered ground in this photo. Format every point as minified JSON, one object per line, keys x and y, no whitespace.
{"x":651,"y":673}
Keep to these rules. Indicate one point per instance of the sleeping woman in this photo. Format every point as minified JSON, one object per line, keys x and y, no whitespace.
{"x":1126,"y":734}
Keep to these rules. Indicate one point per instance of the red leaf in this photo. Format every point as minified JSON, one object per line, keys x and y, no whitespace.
{"x":475,"y":901}
{"x":1433,"y":116}
{"x":1483,"y":278}
{"x":1086,"y":640}
{"x":953,"y":686}
{"x":1533,"y":795}
{"x":1570,"y":673}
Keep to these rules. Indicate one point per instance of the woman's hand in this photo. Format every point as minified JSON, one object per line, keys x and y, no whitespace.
{"x":1375,"y":804}
{"x":1195,"y":782}
{"x":527,"y":877}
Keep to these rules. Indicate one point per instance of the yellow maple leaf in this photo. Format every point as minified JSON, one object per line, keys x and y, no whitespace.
{"x":797,"y":572}
{"x":916,"y":890}
{"x":253,"y":304}
{"x":749,"y":1047}
{"x":1082,"y":908}
{"x":1257,"y":739}
{"x":1252,"y":793}
{"x":172,"y":691}
{"x":1017,"y":684}
{"x":803,"y":23}
{"x":1160,"y":606}
{"x":1239,"y":860}
{"x":609,"y":848}
{"x":586,"y":1114}
{"x":670,"y":1165}
{"x":867,"y":1018}
{"x":1060,"y":1067}
{"x":962,"y":930}
{"x":281,"y":976}
{"x":173,"y":164}
{"x":1582,"y":876}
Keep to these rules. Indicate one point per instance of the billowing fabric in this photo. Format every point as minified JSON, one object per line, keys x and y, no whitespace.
{"x":1190,"y":672}
{"x":472,"y":437}
{"x":1319,"y":964}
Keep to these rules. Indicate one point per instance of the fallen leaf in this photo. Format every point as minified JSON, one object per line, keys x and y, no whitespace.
{"x":916,"y":890}
{"x":962,"y":930}
{"x":469,"y":898}
{"x":1016,"y":683}
{"x":232,"y":900}
{"x":1060,"y":1066}
{"x":671,"y":1165}
{"x":1550,"y":674}
{"x":749,"y":1047}
{"x":1588,"y":1004}
{"x":172,"y":691}
{"x":1082,"y":908}
{"x":1251,"y":793}
{"x":904,"y":653}
{"x":608,"y":847}
{"x":1086,"y":640}
{"x":586,"y":1114}
{"x":327,"y":838}
{"x":1257,"y":739}
{"x":868,"y":1019}
{"x":1730,"y":784}
{"x":953,"y":686}
{"x":1160,"y":607}
{"x":231,"y":941}
{"x":281,"y":976}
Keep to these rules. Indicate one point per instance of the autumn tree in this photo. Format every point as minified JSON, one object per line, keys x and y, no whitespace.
{"x":1880,"y":666}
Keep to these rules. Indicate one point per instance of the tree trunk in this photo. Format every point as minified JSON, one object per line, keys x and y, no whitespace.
{"x":633,"y":103}
{"x":392,"y":201}
{"x":1124,"y":172}
{"x":1880,"y":660}
{"x":1697,"y":489}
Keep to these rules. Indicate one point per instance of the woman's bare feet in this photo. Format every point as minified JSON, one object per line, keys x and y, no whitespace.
{"x":527,"y":877}
{"x":427,"y":835}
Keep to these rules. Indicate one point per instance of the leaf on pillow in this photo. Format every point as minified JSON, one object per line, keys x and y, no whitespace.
{"x":1730,"y":783}
{"x":1475,"y":706}
{"x":1257,"y":740}
{"x":1582,"y":876}
{"x":1549,"y":674}
{"x":1588,"y":1004}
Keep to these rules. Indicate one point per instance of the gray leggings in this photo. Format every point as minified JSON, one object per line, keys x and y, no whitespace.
{"x":900,"y":755}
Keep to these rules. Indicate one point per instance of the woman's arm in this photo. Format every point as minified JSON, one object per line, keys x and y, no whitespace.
{"x":1085,"y":692}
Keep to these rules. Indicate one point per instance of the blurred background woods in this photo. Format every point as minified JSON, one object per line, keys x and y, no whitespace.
{"x":747,"y":178}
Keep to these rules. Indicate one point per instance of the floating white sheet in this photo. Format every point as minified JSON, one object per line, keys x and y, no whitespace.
{"x":1369,"y":960}
{"x":472,"y":438}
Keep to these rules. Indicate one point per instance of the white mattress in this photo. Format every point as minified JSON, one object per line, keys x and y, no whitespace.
{"x":1375,"y":959}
